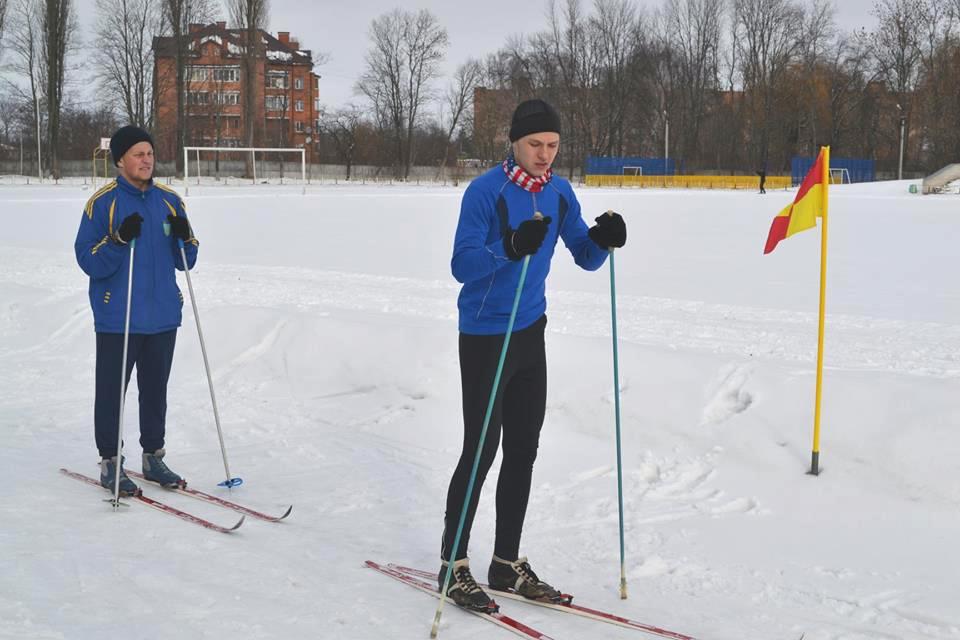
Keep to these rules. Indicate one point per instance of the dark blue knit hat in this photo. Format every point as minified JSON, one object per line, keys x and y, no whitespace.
{"x":126,"y":137}
{"x":533,"y":116}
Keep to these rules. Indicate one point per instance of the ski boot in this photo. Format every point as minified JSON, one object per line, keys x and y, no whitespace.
{"x":156,"y":470}
{"x":464,"y":590}
{"x":517,"y":577}
{"x":108,"y":474}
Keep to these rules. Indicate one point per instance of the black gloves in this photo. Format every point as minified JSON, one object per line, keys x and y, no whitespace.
{"x":610,"y":231}
{"x":129,"y":228}
{"x":526,"y":239}
{"x":179,"y":227}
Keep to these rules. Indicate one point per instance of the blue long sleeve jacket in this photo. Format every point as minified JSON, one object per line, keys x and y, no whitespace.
{"x":492,"y":205}
{"x":157,"y":301}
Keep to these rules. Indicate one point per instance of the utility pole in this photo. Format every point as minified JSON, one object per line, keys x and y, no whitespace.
{"x":36,"y":99}
{"x":903,"y":122}
{"x":666,"y":143}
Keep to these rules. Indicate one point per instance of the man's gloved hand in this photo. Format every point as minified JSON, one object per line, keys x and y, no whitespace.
{"x":610,"y":231}
{"x":179,"y":227}
{"x":129,"y":228}
{"x":527,"y":238}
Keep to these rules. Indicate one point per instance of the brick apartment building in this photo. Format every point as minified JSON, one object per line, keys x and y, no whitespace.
{"x":287,"y":91}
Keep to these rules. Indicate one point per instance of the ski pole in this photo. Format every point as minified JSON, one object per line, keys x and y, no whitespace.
{"x":230,"y":482}
{"x":616,"y":404}
{"x":483,"y":436}
{"x":123,"y":380}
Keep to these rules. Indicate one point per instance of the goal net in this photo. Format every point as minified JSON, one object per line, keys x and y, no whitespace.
{"x":243,"y":165}
{"x":633,"y":171}
{"x":839,"y":176}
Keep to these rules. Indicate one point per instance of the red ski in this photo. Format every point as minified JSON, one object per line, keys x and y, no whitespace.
{"x":222,"y":502}
{"x":160,"y":506}
{"x":586,"y":612}
{"x":497,"y":618}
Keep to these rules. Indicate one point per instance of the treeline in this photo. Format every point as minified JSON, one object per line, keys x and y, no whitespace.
{"x":720,"y":85}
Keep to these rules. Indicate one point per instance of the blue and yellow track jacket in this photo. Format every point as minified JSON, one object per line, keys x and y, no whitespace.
{"x":157,"y":301}
{"x":491,"y":204}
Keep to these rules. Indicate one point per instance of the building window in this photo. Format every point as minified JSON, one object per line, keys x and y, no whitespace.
{"x":298,"y":83}
{"x":299,"y":105}
{"x":276,"y":103}
{"x":316,"y":105}
{"x":229,"y":98}
{"x":298,"y":126}
{"x":276,"y":79}
{"x":196,"y":74}
{"x":195,"y":98}
{"x":226,"y":74}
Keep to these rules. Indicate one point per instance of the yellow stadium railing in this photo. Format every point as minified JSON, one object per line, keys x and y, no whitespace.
{"x":688,"y":182}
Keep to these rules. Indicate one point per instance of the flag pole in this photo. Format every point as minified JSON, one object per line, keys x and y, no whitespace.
{"x":815,"y":459}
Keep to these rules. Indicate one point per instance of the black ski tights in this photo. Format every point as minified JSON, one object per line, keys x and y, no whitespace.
{"x":518,"y":412}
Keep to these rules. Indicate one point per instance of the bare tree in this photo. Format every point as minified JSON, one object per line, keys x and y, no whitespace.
{"x":459,"y":98}
{"x":178,"y":15}
{"x":250,"y":16}
{"x":692,"y":34}
{"x":403,"y":61}
{"x":343,"y":127}
{"x":3,"y":15}
{"x":58,"y":30}
{"x":817,"y":32}
{"x":616,"y":37}
{"x":126,"y":70}
{"x":25,"y":43}
{"x":767,"y":33}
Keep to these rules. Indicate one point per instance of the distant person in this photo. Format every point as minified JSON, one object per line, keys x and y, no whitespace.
{"x":134,"y":208}
{"x":763,"y":179}
{"x":495,"y":232}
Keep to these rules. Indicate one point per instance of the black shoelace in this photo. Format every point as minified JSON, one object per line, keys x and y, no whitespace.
{"x":466,"y":581}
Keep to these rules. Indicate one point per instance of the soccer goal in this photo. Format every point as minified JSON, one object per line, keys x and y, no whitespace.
{"x":839,"y":176}
{"x":101,"y":152}
{"x":633,"y":171}
{"x":223,"y":164}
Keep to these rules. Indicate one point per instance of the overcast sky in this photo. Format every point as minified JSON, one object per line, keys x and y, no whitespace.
{"x":475,"y":28}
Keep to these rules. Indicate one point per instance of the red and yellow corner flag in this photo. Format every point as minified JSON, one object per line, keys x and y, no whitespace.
{"x":810,"y":203}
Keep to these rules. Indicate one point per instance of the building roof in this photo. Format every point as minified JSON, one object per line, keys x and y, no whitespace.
{"x":232,"y":40}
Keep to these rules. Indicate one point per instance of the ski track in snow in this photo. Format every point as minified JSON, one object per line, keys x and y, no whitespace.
{"x":852,"y":342}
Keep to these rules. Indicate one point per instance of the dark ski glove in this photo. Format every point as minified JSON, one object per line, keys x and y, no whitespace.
{"x":527,"y":238}
{"x":610,"y":231}
{"x":179,"y":227}
{"x":129,"y":228}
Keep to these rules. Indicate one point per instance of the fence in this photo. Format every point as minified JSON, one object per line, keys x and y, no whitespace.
{"x":688,"y":182}
{"x":859,"y":169}
{"x":231,"y":171}
{"x":631,"y":165}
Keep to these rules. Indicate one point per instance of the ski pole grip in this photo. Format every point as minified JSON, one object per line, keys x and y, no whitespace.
{"x":610,"y":213}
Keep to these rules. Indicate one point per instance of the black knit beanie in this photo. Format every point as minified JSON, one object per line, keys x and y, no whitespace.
{"x":533,"y":116}
{"x":126,"y":137}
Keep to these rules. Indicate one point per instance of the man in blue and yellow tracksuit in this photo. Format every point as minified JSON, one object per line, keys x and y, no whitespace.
{"x":496,"y":231}
{"x":134,"y":216}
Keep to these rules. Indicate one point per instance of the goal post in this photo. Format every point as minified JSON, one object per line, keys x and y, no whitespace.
{"x":632,"y":171}
{"x":102,"y":151}
{"x":839,"y":175}
{"x":253,"y":151}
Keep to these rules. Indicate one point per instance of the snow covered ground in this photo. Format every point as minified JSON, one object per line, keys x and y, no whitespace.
{"x":330,"y":320}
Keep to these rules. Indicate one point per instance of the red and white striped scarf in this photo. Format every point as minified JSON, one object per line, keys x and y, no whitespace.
{"x":523,"y":179}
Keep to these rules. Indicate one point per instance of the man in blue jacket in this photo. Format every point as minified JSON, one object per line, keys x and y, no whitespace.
{"x":497,"y":229}
{"x":134,"y":215}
